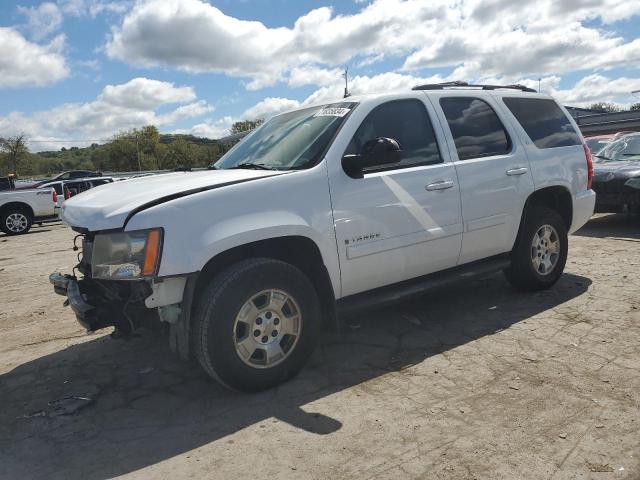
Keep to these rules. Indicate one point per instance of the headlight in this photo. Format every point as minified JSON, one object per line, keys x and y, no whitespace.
{"x":126,"y":255}
{"x":633,"y":182}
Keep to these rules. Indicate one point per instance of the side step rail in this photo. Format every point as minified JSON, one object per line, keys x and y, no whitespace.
{"x":415,"y":287}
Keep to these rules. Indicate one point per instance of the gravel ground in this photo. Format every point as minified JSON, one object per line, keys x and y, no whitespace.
{"x":473,"y":381}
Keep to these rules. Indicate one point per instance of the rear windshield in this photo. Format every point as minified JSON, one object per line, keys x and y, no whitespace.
{"x":544,"y":121}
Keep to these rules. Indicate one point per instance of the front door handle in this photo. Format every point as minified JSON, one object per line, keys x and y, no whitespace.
{"x":517,"y":171}
{"x":443,"y":185}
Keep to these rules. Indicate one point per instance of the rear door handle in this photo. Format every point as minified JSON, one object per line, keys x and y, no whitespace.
{"x":443,"y":185}
{"x":517,"y":171}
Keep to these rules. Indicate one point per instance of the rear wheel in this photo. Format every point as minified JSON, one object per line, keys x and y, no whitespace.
{"x":540,"y":253}
{"x":15,"y":222}
{"x":256,"y":324}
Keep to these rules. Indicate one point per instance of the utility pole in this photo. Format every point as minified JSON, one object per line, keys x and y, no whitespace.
{"x":138,"y":151}
{"x":539,"y":79}
{"x":346,"y":82}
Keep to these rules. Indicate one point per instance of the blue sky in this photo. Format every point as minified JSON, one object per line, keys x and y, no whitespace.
{"x":77,"y":71}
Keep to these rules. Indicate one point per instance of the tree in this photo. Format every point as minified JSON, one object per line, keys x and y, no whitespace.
{"x":604,"y":107}
{"x":246,"y":125}
{"x":16,"y":150}
{"x":635,"y":106}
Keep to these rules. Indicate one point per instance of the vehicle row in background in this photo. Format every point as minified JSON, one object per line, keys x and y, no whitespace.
{"x":70,"y":188}
{"x":616,"y":177}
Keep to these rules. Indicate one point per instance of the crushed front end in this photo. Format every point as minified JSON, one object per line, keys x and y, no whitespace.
{"x":115,"y":283}
{"x":100,"y":303}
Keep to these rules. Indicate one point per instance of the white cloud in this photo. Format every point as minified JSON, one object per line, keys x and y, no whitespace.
{"x":211,"y":128}
{"x":42,"y":20}
{"x":119,"y":107}
{"x":23,"y":63}
{"x":536,"y":38}
{"x":145,"y":94}
{"x":93,"y":8}
{"x":268,"y":108}
{"x":598,"y":88}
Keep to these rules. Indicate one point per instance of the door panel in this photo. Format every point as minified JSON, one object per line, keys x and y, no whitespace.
{"x":493,"y":172}
{"x":389,"y":226}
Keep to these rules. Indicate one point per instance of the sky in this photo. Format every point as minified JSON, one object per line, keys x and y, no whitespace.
{"x":76,"y":72}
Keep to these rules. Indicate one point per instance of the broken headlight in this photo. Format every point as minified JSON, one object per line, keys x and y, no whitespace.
{"x":126,"y":255}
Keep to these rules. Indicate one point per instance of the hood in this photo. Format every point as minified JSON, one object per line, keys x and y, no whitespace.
{"x":606,"y":171}
{"x":109,"y":206}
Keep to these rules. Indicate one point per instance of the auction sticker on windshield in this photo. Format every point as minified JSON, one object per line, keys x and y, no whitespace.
{"x":332,"y":112}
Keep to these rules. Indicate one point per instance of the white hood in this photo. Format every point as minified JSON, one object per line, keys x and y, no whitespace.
{"x":108,"y":206}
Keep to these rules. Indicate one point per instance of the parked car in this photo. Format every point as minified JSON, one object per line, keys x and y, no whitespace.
{"x":598,"y":142}
{"x":71,"y":174}
{"x":331,"y":208}
{"x":69,"y":188}
{"x":19,"y":209}
{"x":616,"y":177}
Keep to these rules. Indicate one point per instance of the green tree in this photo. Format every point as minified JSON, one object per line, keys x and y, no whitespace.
{"x":604,"y":107}
{"x":246,"y":125}
{"x":15,"y":149}
{"x":635,"y":106}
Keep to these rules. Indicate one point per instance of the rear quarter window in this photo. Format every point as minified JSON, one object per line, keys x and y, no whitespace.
{"x":476,"y":129}
{"x":544,"y":122}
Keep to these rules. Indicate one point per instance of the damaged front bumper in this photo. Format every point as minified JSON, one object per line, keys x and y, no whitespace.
{"x":87,"y":315}
{"x":67,"y":286}
{"x":124,"y":305}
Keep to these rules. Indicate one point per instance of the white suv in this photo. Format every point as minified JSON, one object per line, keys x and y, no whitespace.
{"x":332,"y":207}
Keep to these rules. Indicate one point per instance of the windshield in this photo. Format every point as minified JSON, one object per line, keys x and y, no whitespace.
{"x":596,"y":144}
{"x":291,"y":141}
{"x":625,"y":149}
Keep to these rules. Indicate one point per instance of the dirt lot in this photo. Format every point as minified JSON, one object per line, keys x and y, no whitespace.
{"x":475,"y":381}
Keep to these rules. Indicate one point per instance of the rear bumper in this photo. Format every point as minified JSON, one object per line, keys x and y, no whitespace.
{"x":583,"y":208}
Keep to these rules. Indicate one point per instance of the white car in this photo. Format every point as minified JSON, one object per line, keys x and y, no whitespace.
{"x":332,"y":207}
{"x":20,"y":209}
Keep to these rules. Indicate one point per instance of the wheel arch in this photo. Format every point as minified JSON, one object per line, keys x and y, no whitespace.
{"x":299,"y":251}
{"x":556,"y":197}
{"x":13,"y":206}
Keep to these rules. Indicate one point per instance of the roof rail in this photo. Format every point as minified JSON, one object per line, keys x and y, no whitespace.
{"x":460,"y":84}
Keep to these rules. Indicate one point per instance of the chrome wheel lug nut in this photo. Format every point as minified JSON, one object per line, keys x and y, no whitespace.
{"x":265,"y":339}
{"x":256,"y":333}
{"x":274,"y":333}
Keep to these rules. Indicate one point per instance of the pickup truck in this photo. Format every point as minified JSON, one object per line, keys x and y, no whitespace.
{"x":19,"y":209}
{"x":331,"y":208}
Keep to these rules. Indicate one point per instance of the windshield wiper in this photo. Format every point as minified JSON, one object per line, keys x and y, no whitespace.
{"x":254,"y":166}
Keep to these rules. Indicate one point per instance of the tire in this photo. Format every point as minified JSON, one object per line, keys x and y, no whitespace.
{"x":226,"y":335}
{"x":540,"y":253}
{"x":15,"y":222}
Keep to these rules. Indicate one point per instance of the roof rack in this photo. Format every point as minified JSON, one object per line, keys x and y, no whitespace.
{"x":460,"y":84}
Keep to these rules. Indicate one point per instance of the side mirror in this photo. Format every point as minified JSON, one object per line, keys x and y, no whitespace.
{"x":377,"y":151}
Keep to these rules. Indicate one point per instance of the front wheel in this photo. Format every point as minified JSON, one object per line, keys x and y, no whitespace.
{"x":15,"y":222}
{"x":540,"y":253}
{"x":256,"y":324}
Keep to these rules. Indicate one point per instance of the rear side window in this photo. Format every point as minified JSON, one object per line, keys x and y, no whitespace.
{"x":476,"y":129}
{"x":544,"y":121}
{"x":407,"y":122}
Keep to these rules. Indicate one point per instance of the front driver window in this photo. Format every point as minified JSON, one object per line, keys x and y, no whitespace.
{"x":405,"y":121}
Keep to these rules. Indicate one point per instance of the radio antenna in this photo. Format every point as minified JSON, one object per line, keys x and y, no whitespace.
{"x":346,"y":82}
